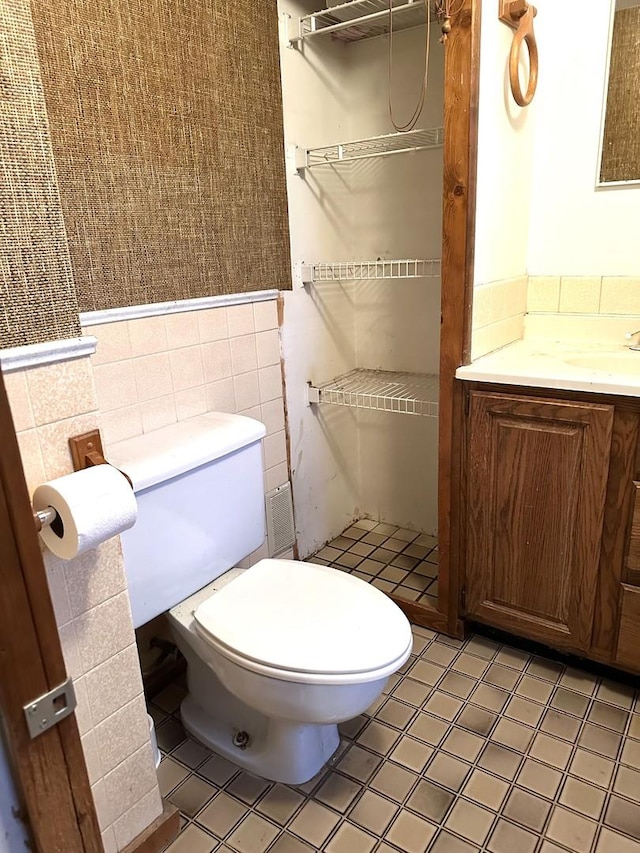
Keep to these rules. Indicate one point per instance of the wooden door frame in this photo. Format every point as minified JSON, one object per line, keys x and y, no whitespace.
{"x":461,"y":87}
{"x":49,"y":771}
{"x":462,"y":84}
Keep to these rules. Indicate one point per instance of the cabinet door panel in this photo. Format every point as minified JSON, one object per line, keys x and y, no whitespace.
{"x":632,"y":562}
{"x":537,"y":482}
{"x":628,"y":652}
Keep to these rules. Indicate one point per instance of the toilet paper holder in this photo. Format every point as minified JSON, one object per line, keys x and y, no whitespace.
{"x":86,"y":451}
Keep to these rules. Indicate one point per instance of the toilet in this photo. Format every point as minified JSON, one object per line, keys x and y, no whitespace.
{"x":277,"y":654}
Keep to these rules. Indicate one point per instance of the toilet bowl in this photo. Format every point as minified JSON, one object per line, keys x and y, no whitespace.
{"x":278,"y":654}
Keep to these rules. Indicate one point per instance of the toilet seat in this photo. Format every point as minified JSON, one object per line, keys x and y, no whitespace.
{"x":307,"y":623}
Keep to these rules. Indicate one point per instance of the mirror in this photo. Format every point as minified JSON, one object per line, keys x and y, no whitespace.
{"x":620,"y":143}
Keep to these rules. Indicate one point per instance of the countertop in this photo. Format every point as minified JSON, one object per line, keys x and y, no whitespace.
{"x":610,"y":368}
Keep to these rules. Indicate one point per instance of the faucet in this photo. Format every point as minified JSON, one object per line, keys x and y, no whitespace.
{"x":629,"y":336}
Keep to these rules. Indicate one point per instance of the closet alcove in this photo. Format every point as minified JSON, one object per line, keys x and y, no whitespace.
{"x":377,"y":322}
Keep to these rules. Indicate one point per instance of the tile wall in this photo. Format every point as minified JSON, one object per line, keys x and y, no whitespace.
{"x":89,"y":594}
{"x":154,"y":371}
{"x":145,"y":374}
{"x":498,"y":314}
{"x":584,"y":295}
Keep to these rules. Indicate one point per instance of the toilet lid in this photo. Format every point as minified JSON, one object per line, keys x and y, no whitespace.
{"x":306,"y":618}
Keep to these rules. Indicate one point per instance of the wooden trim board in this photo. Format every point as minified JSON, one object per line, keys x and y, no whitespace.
{"x":462,"y":67}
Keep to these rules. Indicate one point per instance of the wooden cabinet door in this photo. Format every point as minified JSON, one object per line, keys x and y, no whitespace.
{"x":537,"y":475}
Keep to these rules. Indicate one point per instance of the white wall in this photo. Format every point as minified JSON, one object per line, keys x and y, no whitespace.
{"x":576,"y":229}
{"x":505,"y":153}
{"x":505,"y":137}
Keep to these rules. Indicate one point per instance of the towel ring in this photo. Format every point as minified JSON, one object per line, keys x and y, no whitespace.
{"x":519,"y":16}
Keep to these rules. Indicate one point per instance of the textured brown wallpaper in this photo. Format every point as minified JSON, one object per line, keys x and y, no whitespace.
{"x":37,"y":296}
{"x":166,"y":124}
{"x":621,"y":143}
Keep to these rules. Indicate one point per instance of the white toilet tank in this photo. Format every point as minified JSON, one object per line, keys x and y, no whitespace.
{"x":200,"y":492}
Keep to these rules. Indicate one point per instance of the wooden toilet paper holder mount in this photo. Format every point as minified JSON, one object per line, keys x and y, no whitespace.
{"x":86,"y":451}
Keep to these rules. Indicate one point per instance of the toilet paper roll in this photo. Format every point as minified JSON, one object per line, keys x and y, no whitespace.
{"x":92,"y":505}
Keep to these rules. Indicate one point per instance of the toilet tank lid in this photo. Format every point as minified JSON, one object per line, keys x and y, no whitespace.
{"x":164,"y":453}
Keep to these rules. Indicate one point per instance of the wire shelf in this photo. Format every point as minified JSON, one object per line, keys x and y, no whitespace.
{"x":360,"y":19}
{"x":382,"y":391}
{"x":369,"y":270}
{"x":375,"y":146}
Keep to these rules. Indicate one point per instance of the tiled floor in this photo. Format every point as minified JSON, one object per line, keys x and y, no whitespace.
{"x":395,"y":559}
{"x":475,"y":746}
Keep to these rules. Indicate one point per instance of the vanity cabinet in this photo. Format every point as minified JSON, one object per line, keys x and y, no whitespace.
{"x":552,"y":533}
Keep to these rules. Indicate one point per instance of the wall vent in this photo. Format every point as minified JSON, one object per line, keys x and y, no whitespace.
{"x":280,"y":519}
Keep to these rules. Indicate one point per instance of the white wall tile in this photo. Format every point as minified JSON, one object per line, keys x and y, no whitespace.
{"x":275,"y":449}
{"x":115,"y":385}
{"x":32,"y":461}
{"x":489,"y":303}
{"x":158,"y":413}
{"x":113,"y":683}
{"x":254,"y":412}
{"x":496,"y":335}
{"x":18,"y":394}
{"x":221,"y":396}
{"x":191,"y":402}
{"x":270,"y":379}
{"x":273,"y":415}
{"x":122,"y":734}
{"x":56,"y":579}
{"x":102,"y":807}
{"x":620,"y":295}
{"x":186,"y":367}
{"x":544,"y":293}
{"x":276,"y":476}
{"x":243,"y":354}
{"x":109,"y":840}
{"x":247,"y":390}
{"x":216,"y":358}
{"x":92,"y":757}
{"x":70,"y":650}
{"x":61,"y":390}
{"x":147,"y":335}
{"x":93,"y":577}
{"x":129,"y":782}
{"x":265,"y":315}
{"x":114,"y":343}
{"x":240,"y":320}
{"x":103,"y":631}
{"x":83,"y":709}
{"x":137,"y":818}
{"x":182,"y":329}
{"x":268,"y":348}
{"x":580,"y":294}
{"x":212,"y":324}
{"x":153,"y":376}
{"x":121,"y":424}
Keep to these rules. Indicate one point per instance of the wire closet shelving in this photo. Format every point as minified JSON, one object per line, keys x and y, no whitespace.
{"x":360,"y":19}
{"x":369,"y":270}
{"x":382,"y":391}
{"x":375,"y":146}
